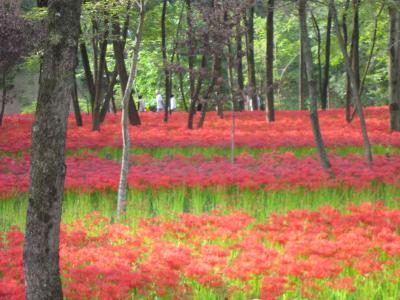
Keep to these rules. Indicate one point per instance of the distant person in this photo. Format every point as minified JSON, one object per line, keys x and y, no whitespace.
{"x":172,"y":104}
{"x":159,"y":102}
{"x":141,"y":105}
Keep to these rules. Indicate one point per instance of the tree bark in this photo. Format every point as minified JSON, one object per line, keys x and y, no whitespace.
{"x":355,"y":59}
{"x":302,"y":78}
{"x":312,"y":85}
{"x":354,"y":85}
{"x":119,"y":49}
{"x":123,"y":182}
{"x":75,"y":103}
{"x":251,"y":68}
{"x":4,"y":98}
{"x":167,"y":73}
{"x":47,"y":172}
{"x":270,"y":63}
{"x":318,"y":35}
{"x":239,"y":66}
{"x":88,"y":73}
{"x":394,"y":67}
{"x":325,"y":83}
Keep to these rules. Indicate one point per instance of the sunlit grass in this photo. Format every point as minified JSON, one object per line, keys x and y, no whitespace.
{"x":168,"y":202}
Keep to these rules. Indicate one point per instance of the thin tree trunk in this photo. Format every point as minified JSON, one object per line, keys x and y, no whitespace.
{"x":302,"y":78}
{"x":123,"y":183}
{"x":119,"y":49}
{"x":394,"y":67}
{"x":239,"y":66}
{"x":371,"y":53}
{"x":251,"y":68}
{"x":318,"y":34}
{"x":354,"y":60}
{"x":99,"y":84}
{"x":47,"y":172}
{"x":195,"y":97}
{"x":312,"y":86}
{"x":270,"y":109}
{"x":4,"y":98}
{"x":109,"y":96}
{"x":354,"y":86}
{"x":75,"y":103}
{"x":167,"y":73}
{"x":325,"y":83}
{"x":88,"y":73}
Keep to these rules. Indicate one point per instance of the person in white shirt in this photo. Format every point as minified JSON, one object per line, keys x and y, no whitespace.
{"x":159,"y":102}
{"x":172,"y":104}
{"x":141,"y":104}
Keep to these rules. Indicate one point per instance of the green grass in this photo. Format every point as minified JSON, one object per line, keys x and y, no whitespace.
{"x":167,"y":202}
{"x":208,"y":152}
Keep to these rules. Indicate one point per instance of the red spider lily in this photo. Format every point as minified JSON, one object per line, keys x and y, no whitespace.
{"x":292,"y":252}
{"x":270,"y":172}
{"x":292,"y":129}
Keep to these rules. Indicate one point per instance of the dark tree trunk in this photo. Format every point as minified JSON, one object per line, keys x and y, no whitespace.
{"x":239,"y":66}
{"x":270,"y":62}
{"x":42,"y":3}
{"x":251,"y":68}
{"x":75,"y":103}
{"x":119,"y":46}
{"x":88,"y":73}
{"x":318,"y":35}
{"x":355,"y":58}
{"x":195,"y":98}
{"x":167,"y":73}
{"x":109,"y":96}
{"x":325,"y":83}
{"x":312,"y":85}
{"x":99,"y":84}
{"x":216,"y":73}
{"x":394,"y":67}
{"x":4,"y":98}
{"x":302,"y":79}
{"x":47,"y":173}
{"x":354,"y":85}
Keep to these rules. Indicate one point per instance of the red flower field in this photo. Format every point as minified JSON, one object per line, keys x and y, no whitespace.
{"x":88,"y":172}
{"x":292,"y":129}
{"x":299,"y":254}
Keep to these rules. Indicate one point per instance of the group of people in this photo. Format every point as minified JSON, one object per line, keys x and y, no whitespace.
{"x":160,"y":105}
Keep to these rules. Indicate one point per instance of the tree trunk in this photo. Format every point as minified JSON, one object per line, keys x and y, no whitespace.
{"x":318,"y":35}
{"x":75,"y":103}
{"x":123,"y":182}
{"x":119,"y":49}
{"x":251,"y":68}
{"x":270,"y":63}
{"x":4,"y":98}
{"x":195,"y":97}
{"x":88,"y":73}
{"x":47,"y":172}
{"x":99,"y":84}
{"x":325,"y":83}
{"x":302,"y":78}
{"x":394,"y":67}
{"x":312,"y":85}
{"x":165,"y":61}
{"x":239,"y":66}
{"x":109,"y":96}
{"x":355,"y":59}
{"x":354,"y":85}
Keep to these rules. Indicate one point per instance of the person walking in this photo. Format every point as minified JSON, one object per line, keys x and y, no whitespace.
{"x":159,"y":102}
{"x":172,"y":104}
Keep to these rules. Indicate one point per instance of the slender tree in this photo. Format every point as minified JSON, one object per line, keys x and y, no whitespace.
{"x":41,"y":247}
{"x":123,"y":182}
{"x":311,"y":85}
{"x":167,"y":73}
{"x":394,"y":66}
{"x":325,"y":83}
{"x":270,"y":63}
{"x":354,"y":85}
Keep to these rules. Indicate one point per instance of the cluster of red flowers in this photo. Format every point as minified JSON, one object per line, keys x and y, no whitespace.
{"x":292,"y":129}
{"x":299,"y":253}
{"x":270,"y":172}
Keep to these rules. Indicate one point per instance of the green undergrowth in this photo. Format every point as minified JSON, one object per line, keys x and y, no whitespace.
{"x":169,"y":202}
{"x":208,"y":152}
